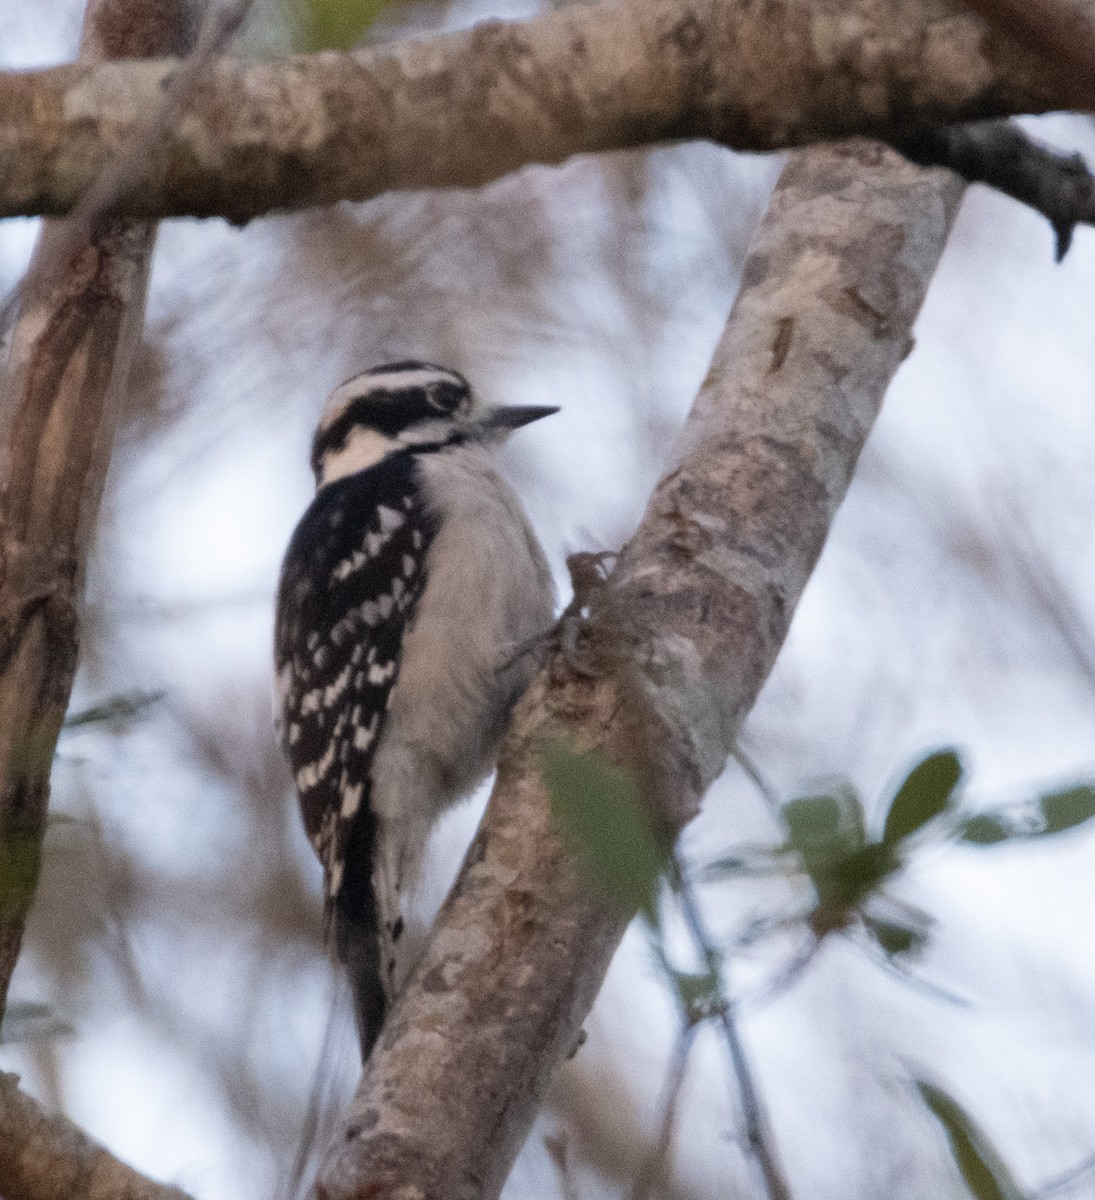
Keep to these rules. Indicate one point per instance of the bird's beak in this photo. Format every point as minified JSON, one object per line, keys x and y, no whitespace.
{"x":504,"y":419}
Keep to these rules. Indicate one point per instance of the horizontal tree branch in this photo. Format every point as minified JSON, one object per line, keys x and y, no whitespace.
{"x":1061,"y":32}
{"x":45,"y":1157}
{"x":657,"y":675}
{"x":459,"y":109}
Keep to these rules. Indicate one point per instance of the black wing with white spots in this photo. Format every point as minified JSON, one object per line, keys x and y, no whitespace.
{"x":351,"y":578}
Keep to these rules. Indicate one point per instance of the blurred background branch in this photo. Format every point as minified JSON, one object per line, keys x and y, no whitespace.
{"x":68,"y":365}
{"x":43,"y":1157}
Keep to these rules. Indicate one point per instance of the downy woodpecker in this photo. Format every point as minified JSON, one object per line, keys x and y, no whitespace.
{"x":411,"y":593}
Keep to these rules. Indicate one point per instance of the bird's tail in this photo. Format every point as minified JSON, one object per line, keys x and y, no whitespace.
{"x":357,"y":942}
{"x":370,"y":937}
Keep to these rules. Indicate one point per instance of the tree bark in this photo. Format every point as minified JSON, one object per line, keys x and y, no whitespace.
{"x":459,"y":109}
{"x":45,"y":1157}
{"x":83,"y":304}
{"x":657,"y":672}
{"x":1060,"y":32}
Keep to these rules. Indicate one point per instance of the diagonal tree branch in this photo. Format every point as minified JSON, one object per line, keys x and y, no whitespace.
{"x":658,"y":674}
{"x":459,"y":109}
{"x":83,"y":305}
{"x":43,"y":1157}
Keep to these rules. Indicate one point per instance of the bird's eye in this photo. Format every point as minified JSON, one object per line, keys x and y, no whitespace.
{"x":447,"y":397}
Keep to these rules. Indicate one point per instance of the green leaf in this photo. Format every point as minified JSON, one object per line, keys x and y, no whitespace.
{"x":987,"y":829}
{"x":924,"y":794}
{"x":893,"y":937}
{"x":332,"y":24}
{"x":26,"y":1020}
{"x":1067,"y":809}
{"x":828,"y":834}
{"x":115,"y":710}
{"x":846,"y":882}
{"x":601,"y":812}
{"x":814,"y":824}
{"x":982,"y":1168}
{"x":822,"y":828}
{"x":1055,"y":813}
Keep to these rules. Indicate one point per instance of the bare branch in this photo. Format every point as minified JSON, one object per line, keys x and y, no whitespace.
{"x":651,"y":1171}
{"x":459,"y":109}
{"x":83,"y":304}
{"x":1063,"y":1183}
{"x":43,"y":1157}
{"x":678,"y":643}
{"x":758,"y":1133}
{"x":998,"y":153}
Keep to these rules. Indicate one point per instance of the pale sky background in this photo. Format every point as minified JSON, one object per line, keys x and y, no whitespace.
{"x":954,"y":604}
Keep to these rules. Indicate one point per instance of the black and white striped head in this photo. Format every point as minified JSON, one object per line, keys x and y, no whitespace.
{"x":404,"y":406}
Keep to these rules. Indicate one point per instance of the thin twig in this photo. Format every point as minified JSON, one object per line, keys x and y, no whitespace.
{"x":1045,"y":585}
{"x":1071,"y":1177}
{"x":757,"y":1135}
{"x":787,"y":974}
{"x":558,"y":1147}
{"x":652,"y":1169}
{"x":305,"y":1159}
{"x":935,"y":990}
{"x":753,"y":773}
{"x":129,"y":164}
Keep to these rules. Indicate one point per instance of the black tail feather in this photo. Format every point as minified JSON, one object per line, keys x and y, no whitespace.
{"x":357,"y":941}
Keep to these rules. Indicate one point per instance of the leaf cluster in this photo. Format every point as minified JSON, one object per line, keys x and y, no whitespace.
{"x":828,"y":833}
{"x":827,"y":839}
{"x":600,"y":809}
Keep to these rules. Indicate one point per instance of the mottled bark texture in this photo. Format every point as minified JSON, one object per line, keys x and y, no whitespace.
{"x":462,"y":108}
{"x":659,"y":674}
{"x":82,"y":308}
{"x":45,"y":1157}
{"x":1061,"y":32}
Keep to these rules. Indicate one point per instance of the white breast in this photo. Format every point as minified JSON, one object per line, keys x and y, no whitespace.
{"x":488,"y":596}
